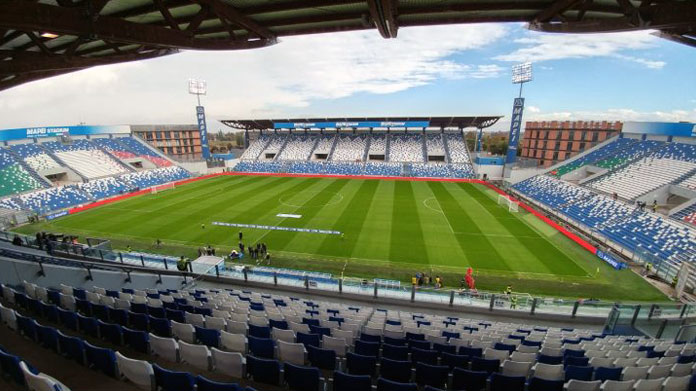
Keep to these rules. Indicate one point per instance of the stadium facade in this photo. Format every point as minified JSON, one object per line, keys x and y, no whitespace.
{"x":550,"y":142}
{"x":179,"y":142}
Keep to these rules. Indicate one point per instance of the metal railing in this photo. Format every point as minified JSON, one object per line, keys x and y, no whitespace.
{"x":516,"y":304}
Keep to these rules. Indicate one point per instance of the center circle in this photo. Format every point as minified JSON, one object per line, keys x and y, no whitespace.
{"x":305,"y":199}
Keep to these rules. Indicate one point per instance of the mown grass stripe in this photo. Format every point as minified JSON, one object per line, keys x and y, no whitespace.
{"x":546,"y":253}
{"x":407,"y":243}
{"x":480,"y":251}
{"x":350,"y":222}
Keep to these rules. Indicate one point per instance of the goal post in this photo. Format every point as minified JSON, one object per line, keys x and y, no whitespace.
{"x":160,"y":188}
{"x":505,"y":200}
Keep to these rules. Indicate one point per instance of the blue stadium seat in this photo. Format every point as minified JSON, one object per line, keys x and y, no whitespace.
{"x":578,"y":372}
{"x":139,"y":321}
{"x":9,"y":364}
{"x":358,"y":364}
{"x":390,"y":385}
{"x":604,"y":373}
{"x":551,"y":360}
{"x":263,"y":370}
{"x":440,"y":348}
{"x":68,"y":319}
{"x":136,"y":339}
{"x":487,"y":365}
{"x":345,"y":382}
{"x":48,"y":337}
{"x":261,"y":347}
{"x":72,"y":347}
{"x":395,"y":341}
{"x":370,"y":338}
{"x":111,"y":332}
{"x":301,"y":378}
{"x":309,"y":339}
{"x":538,"y":384}
{"x":208,"y":337}
{"x":278,"y":324}
{"x":455,"y":360}
{"x":395,"y":370}
{"x":431,"y":375}
{"x":259,"y":331}
{"x":366,"y":348}
{"x":321,"y":358}
{"x":161,"y":327}
{"x":50,"y":312}
{"x":424,"y":356}
{"x":204,"y":384}
{"x":118,"y":316}
{"x":102,"y":359}
{"x":394,"y":352}
{"x":172,"y":380}
{"x":471,"y":352}
{"x":499,"y":382}
{"x":463,"y":379}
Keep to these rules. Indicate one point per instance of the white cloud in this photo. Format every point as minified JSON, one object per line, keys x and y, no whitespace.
{"x":617,"y":114}
{"x":537,"y":47}
{"x":533,"y":109}
{"x":253,"y":83}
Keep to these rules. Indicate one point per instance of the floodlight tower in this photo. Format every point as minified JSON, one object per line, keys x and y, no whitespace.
{"x":521,"y":73}
{"x":198,"y":88}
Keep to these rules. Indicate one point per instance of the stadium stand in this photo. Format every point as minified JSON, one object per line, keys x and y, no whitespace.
{"x":86,"y":159}
{"x":382,"y":168}
{"x":304,"y":343}
{"x":627,"y":225}
{"x":349,"y":148}
{"x":643,"y":176}
{"x":457,"y":149}
{"x":406,"y":148}
{"x":104,"y":188}
{"x":35,"y":156}
{"x":44,"y":201}
{"x":255,"y":148}
{"x":250,"y":166}
{"x":434,"y":144}
{"x":128,"y":148}
{"x":149,"y":178}
{"x":595,"y":156}
{"x":13,"y":177}
{"x":274,"y":147}
{"x":378,"y":145}
{"x":298,"y":147}
{"x":325,"y":145}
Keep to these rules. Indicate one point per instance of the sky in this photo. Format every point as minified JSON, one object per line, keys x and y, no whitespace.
{"x":426,"y":71}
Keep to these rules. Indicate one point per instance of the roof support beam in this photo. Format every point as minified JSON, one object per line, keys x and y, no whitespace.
{"x":25,"y":16}
{"x":383,"y":13}
{"x":35,"y":62}
{"x":669,"y":15}
{"x":556,"y":8}
{"x":230,"y":13}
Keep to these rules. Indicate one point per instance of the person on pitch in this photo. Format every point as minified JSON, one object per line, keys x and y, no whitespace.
{"x":508,"y":290}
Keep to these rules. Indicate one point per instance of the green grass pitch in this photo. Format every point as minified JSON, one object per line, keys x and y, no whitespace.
{"x":392,"y":229}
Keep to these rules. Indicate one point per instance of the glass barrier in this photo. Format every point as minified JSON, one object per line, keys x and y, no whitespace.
{"x":646,"y":318}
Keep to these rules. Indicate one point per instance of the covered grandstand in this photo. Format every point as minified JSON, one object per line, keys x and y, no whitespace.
{"x":387,"y":146}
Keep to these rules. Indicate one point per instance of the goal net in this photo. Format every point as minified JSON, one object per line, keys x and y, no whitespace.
{"x":160,"y":188}
{"x":507,"y":201}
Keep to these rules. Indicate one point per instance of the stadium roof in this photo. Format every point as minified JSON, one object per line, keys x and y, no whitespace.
{"x":44,"y":38}
{"x":435,"y":122}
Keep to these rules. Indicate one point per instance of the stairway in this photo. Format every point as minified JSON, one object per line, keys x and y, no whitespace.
{"x":386,"y":147}
{"x":368,"y":141}
{"x":156,"y":151}
{"x":425,"y":148}
{"x":311,"y":151}
{"x":333,"y":148}
{"x":28,"y":168}
{"x":282,"y":147}
{"x":446,"y":146}
{"x":127,"y":167}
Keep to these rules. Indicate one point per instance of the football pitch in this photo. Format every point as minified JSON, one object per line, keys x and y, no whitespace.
{"x":391,"y":229}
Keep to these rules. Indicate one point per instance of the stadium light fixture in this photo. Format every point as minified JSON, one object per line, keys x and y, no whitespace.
{"x":197,"y":87}
{"x":522,"y":73}
{"x":48,"y":35}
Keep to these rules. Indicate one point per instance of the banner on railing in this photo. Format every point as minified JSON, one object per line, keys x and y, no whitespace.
{"x":618,"y":265}
{"x":57,"y":215}
{"x":276,"y":228}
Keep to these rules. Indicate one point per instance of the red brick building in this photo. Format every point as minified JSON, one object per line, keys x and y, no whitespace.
{"x":550,"y":142}
{"x":180,"y":142}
